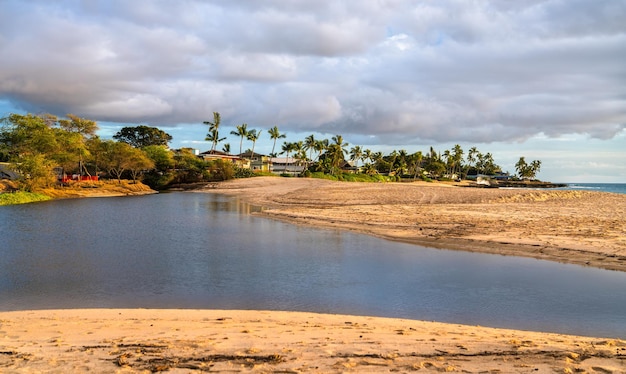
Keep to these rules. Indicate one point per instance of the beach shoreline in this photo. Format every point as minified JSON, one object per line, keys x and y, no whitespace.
{"x":539,"y":224}
{"x":174,"y":340}
{"x":576,"y":227}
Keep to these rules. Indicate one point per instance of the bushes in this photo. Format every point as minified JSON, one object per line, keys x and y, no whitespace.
{"x":21,"y":198}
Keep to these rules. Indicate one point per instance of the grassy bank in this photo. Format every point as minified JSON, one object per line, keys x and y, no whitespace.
{"x":13,"y":198}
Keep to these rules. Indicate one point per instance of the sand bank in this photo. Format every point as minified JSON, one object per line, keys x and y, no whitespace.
{"x":107,"y":340}
{"x":578,"y":227}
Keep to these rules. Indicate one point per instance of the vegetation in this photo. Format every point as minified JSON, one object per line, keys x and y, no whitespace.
{"x":46,"y":151}
{"x":21,"y":197}
{"x":143,"y":136}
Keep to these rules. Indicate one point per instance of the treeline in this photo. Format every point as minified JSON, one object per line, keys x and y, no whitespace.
{"x":330,"y":157}
{"x":43,"y":149}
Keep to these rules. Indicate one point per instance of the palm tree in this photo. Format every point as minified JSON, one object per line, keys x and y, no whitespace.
{"x":242,"y":132}
{"x":337,"y":151}
{"x":356,"y":153}
{"x":535,"y":165}
{"x":320,"y":146}
{"x":253,"y":136}
{"x":309,"y":145}
{"x":457,"y":158}
{"x":213,"y":134}
{"x":416,"y":163}
{"x":214,"y":138}
{"x":287,"y":148}
{"x":471,"y":158}
{"x":393,"y":155}
{"x":226,"y":148}
{"x":275,"y":134}
{"x":300,"y":153}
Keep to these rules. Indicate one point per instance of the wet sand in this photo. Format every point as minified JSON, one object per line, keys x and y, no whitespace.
{"x":578,"y":227}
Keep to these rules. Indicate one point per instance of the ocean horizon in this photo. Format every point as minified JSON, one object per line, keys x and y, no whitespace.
{"x":600,"y":187}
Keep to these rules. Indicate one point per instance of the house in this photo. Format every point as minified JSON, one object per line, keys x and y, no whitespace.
{"x":258,"y":162}
{"x":284,"y":165}
{"x":219,"y":155}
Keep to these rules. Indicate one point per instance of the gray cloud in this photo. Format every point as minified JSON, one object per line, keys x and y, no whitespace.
{"x":394,"y":71}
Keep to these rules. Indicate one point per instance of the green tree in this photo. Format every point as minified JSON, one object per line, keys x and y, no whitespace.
{"x":143,"y":136}
{"x":117,"y":158}
{"x":275,"y":135}
{"x":525,"y":170}
{"x":242,"y":132}
{"x":253,"y":136}
{"x":287,"y":148}
{"x":161,"y":157}
{"x":213,"y":134}
{"x":35,"y":172}
{"x":356,"y":153}
{"x":138,"y":163}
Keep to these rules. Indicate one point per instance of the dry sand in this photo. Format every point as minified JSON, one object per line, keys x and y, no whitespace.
{"x":107,"y":341}
{"x":577,"y":227}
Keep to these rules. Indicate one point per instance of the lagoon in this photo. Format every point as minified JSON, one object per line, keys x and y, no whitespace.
{"x":193,"y":250}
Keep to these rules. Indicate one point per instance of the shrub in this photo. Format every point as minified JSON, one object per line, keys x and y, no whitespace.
{"x":22,"y":198}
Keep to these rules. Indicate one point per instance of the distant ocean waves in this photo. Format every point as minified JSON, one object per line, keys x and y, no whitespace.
{"x":601,"y":187}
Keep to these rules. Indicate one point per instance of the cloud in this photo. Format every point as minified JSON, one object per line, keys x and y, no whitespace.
{"x":394,"y":71}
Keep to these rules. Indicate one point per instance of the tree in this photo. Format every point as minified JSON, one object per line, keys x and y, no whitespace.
{"x":287,"y":148}
{"x":242,"y":132}
{"x":309,"y":145}
{"x":160,"y":156}
{"x":356,"y":153}
{"x":143,"y":136}
{"x":35,"y":172}
{"x":83,"y":126}
{"x":274,"y":135}
{"x":138,"y":163}
{"x":525,"y":170}
{"x":117,"y":158}
{"x":415,"y":163}
{"x":226,"y":148}
{"x":214,"y":137}
{"x":253,"y":136}
{"x":213,"y":134}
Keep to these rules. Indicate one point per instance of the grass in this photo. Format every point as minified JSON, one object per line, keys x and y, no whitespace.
{"x":21,"y":197}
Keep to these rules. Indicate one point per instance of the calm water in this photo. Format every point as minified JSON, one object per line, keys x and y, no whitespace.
{"x":186,"y":250}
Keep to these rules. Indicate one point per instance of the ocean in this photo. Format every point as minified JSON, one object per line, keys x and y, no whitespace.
{"x":601,"y":187}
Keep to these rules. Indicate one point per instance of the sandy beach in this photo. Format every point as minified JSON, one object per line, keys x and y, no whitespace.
{"x":567,"y":226}
{"x":578,"y":227}
{"x":179,"y":341}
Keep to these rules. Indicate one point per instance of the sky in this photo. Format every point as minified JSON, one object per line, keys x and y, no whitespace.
{"x":542,"y":79}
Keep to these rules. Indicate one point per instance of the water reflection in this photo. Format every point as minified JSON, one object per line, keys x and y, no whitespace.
{"x":192,"y":250}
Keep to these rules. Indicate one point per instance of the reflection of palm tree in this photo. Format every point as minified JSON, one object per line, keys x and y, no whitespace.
{"x":274,"y":135}
{"x":242,"y":132}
